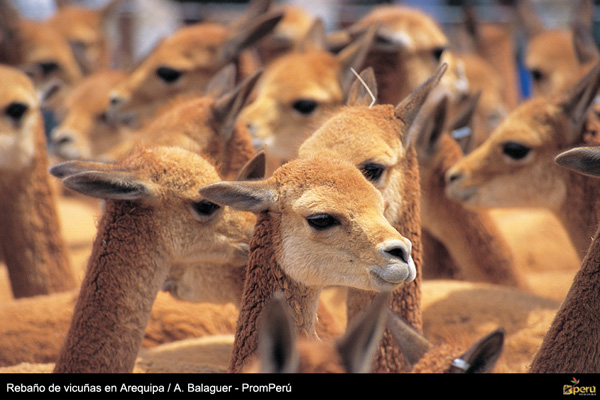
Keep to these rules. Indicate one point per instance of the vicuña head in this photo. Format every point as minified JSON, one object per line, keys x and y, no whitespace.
{"x":184,"y":62}
{"x":332,"y":225}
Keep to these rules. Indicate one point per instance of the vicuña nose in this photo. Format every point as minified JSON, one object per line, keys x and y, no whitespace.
{"x":115,"y":100}
{"x":398,"y":249}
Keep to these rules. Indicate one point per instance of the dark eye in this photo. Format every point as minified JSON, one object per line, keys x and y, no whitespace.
{"x":48,"y":67}
{"x":437,"y":53}
{"x":167,"y":74}
{"x":514,"y":150}
{"x":536,"y":75}
{"x":205,"y":208}
{"x":322,"y":221}
{"x":103,"y":117}
{"x":372,"y":171}
{"x":16,"y":110}
{"x":305,"y":106}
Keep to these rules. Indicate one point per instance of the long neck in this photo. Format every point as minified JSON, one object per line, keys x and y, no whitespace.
{"x":31,"y":242}
{"x":406,"y":300}
{"x":579,"y":213}
{"x":572,"y":344}
{"x":116,"y":296}
{"x":471,"y":237}
{"x":264,"y":278}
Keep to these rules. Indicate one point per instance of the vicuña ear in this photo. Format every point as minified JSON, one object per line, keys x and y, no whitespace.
{"x":277,"y":351}
{"x":585,"y":160}
{"x":251,"y":196}
{"x":67,"y":168}
{"x":582,"y":25}
{"x":529,"y":19}
{"x":353,"y":57}
{"x":414,"y":345}
{"x":408,"y":109}
{"x":482,"y":356}
{"x":432,"y":128}
{"x":254,"y":169}
{"x":222,"y":82}
{"x":315,"y":38}
{"x":227,"y":107}
{"x":363,"y":91}
{"x":460,"y":125}
{"x":247,"y":34}
{"x":103,"y":181}
{"x":575,"y":102}
{"x":360,"y":342}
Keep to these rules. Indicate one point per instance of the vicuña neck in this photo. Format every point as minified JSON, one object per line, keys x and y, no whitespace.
{"x":116,"y":297}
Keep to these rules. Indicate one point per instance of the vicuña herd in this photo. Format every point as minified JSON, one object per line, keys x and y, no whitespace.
{"x":271,"y":191}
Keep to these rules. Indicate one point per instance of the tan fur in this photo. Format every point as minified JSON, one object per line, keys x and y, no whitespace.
{"x":40,"y":325}
{"x":550,"y":54}
{"x":310,"y":73}
{"x":460,"y":313}
{"x":86,"y":32}
{"x":410,"y":60}
{"x":133,"y":251}
{"x":85,"y":131}
{"x":197,"y":51}
{"x":492,"y":179}
{"x":31,"y":241}
{"x":285,"y":254}
{"x":361,"y":134}
{"x":290,"y":31}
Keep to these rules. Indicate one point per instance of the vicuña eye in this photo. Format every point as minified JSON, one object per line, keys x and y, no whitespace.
{"x":305,"y":106}
{"x":537,"y":75}
{"x":437,"y":53}
{"x":515,"y":150}
{"x":48,"y":66}
{"x":168,"y":74}
{"x":205,"y":208}
{"x":322,"y":221}
{"x":372,"y":171}
{"x":16,"y":110}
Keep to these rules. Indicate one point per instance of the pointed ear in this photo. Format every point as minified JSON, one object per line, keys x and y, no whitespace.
{"x":363,"y":91}
{"x":414,"y":345}
{"x":315,"y":38}
{"x":586,"y":50}
{"x":582,"y":25}
{"x":12,"y":40}
{"x":110,"y":8}
{"x":360,"y":342}
{"x":460,"y":125}
{"x":575,"y":103}
{"x":529,"y":19}
{"x":65,"y":169}
{"x":409,"y":107}
{"x":254,"y":169}
{"x":353,"y":57}
{"x":227,"y":107}
{"x":482,"y":356}
{"x":585,"y":160}
{"x":103,"y":181}
{"x":277,"y":351}
{"x":431,"y":129}
{"x":254,"y":9}
{"x":247,"y":34}
{"x":222,"y":82}
{"x":251,"y":196}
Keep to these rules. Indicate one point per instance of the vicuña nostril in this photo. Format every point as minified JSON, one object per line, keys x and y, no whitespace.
{"x":398,"y":250}
{"x":115,"y":100}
